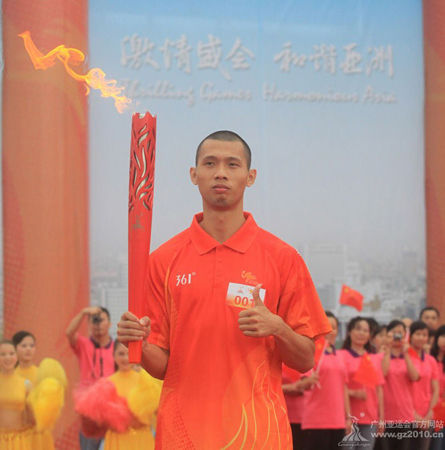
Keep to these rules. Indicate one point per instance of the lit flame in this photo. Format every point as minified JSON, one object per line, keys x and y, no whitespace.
{"x":95,"y":78}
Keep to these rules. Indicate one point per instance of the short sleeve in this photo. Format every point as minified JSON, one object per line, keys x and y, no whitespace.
{"x":376,"y":360}
{"x":434,"y":368}
{"x":289,"y":375}
{"x":156,"y":304}
{"x":299,"y":304}
{"x":340,"y":357}
{"x":79,"y":343}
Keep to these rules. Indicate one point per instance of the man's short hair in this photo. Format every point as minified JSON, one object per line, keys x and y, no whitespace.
{"x":429,"y":308}
{"x":105,"y":310}
{"x":227,"y":136}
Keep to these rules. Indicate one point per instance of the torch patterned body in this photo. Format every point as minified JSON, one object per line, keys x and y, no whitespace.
{"x":140,"y":207}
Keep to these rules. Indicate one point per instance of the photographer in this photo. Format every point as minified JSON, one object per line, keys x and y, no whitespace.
{"x":94,"y":353}
{"x":400,"y":375}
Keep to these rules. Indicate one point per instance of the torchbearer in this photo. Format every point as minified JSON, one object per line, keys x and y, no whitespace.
{"x":140,"y":208}
{"x":226,"y":303}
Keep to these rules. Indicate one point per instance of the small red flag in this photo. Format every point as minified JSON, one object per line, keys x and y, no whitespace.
{"x":351,"y":297}
{"x":320,"y":345}
{"x":366,"y":373}
{"x":413,"y":353}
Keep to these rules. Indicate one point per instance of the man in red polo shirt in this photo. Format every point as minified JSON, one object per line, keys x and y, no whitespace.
{"x":227,"y":303}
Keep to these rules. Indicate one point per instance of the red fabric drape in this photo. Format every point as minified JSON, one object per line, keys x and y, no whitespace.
{"x":434,"y":48}
{"x":45,"y":185}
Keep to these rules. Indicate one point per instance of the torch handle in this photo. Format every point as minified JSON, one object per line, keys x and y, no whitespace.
{"x":135,"y":352}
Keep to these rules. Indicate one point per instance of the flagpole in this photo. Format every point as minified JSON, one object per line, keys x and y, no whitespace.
{"x":317,"y":370}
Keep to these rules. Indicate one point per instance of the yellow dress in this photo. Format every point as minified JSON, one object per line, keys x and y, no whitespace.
{"x":41,"y":439}
{"x":28,"y":373}
{"x":140,"y":438}
{"x":13,"y":397}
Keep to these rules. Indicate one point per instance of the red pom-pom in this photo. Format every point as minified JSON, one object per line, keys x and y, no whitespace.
{"x":101,"y":404}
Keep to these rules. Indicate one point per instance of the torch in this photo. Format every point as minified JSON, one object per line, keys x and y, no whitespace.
{"x":140,"y":208}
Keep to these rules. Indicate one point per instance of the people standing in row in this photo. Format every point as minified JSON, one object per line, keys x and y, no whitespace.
{"x":400,"y":374}
{"x":123,"y":404}
{"x":430,"y":315}
{"x":15,"y":415}
{"x":326,"y":412}
{"x":294,"y":386}
{"x":25,"y":346}
{"x":438,"y":353}
{"x":365,"y":383}
{"x":426,"y":389}
{"x":378,"y":338}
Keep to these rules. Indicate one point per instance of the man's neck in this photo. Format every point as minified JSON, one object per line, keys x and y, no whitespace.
{"x":221,"y":225}
{"x":102,"y":341}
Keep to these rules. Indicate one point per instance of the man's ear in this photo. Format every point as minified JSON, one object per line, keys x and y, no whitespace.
{"x":193,"y":175}
{"x":251,"y":177}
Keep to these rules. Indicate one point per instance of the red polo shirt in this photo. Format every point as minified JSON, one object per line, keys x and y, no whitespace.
{"x":397,"y":392}
{"x":426,"y":365}
{"x":223,"y":389}
{"x":94,"y":361}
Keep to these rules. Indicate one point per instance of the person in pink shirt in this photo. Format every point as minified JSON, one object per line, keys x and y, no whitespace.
{"x":438,"y":352}
{"x":426,"y":390}
{"x":378,"y":338}
{"x":294,"y":385}
{"x":94,"y":353}
{"x":400,"y":374}
{"x":326,"y":413}
{"x":365,"y":381}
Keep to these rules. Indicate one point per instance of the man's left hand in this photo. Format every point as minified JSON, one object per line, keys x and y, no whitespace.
{"x":258,"y":321}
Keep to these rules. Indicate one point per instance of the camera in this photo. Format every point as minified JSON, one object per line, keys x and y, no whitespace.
{"x":397,"y":336}
{"x":96,"y":319}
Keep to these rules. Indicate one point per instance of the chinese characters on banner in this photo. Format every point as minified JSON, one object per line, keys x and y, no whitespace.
{"x":141,"y":52}
{"x":138,"y":51}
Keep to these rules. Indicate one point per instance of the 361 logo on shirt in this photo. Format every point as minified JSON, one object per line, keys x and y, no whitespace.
{"x":184,"y":279}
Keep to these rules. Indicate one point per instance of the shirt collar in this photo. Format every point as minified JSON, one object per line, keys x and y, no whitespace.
{"x":97,"y":345}
{"x":333,"y":351}
{"x":355,"y":354}
{"x":240,"y":241}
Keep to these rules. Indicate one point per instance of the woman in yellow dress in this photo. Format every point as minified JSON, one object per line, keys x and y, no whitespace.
{"x":124,"y":403}
{"x":25,"y":346}
{"x":46,"y":386}
{"x":15,"y":417}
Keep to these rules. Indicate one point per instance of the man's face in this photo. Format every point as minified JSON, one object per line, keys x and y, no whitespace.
{"x":99,"y":325}
{"x":222,"y":174}
{"x":431,"y":318}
